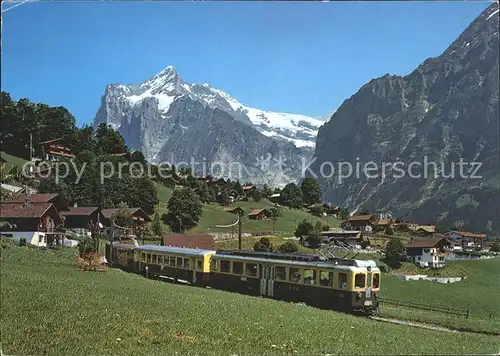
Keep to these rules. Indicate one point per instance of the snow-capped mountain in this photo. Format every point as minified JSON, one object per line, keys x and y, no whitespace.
{"x":167,"y":85}
{"x":171,"y":120}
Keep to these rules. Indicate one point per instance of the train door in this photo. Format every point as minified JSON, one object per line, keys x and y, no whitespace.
{"x":369,"y":285}
{"x":266,"y":281}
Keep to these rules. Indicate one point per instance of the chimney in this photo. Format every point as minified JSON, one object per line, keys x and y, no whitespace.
{"x":26,"y":200}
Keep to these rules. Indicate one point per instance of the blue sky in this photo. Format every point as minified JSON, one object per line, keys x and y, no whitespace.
{"x":304,"y":58}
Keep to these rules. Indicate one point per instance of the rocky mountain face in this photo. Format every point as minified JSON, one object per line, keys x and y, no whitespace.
{"x":446,"y":110}
{"x":172,"y":121}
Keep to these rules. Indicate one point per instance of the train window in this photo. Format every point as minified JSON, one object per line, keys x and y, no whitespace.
{"x":309,"y":276}
{"x":154,"y":258}
{"x":251,"y":269}
{"x":238,"y":267}
{"x":199,"y":264}
{"x":360,"y":280}
{"x":214,"y":265}
{"x":294,"y":275}
{"x":187,"y":264}
{"x":279,"y":273}
{"x":179,"y":262}
{"x":143,"y":257}
{"x":326,"y":278}
{"x":343,"y":280}
{"x":225,"y":266}
{"x":172,"y":261}
{"x":160,"y":259}
{"x":148,"y":258}
{"x":376,"y":280}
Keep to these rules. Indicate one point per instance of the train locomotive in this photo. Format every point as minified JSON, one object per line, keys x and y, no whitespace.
{"x":338,"y":284}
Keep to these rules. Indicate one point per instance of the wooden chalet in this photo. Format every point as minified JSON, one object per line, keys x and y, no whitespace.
{"x":39,"y":224}
{"x":249,"y":189}
{"x":428,"y":252}
{"x":235,"y":210}
{"x":275,"y":198}
{"x":259,"y":214}
{"x":384,"y":223}
{"x":360,"y":222}
{"x":468,"y":240}
{"x":327,"y":208}
{"x":137,"y":215}
{"x":52,"y":151}
{"x":39,"y":198}
{"x":80,"y":217}
{"x":423,"y":230}
{"x":201,"y":241}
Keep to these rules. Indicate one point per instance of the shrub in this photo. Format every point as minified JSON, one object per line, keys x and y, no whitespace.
{"x":314,"y":239}
{"x":263,"y":245}
{"x":496,"y":246}
{"x":326,"y":228}
{"x":304,"y":229}
{"x":394,"y":252}
{"x":22,"y":241}
{"x":388,"y":231}
{"x":288,"y":247}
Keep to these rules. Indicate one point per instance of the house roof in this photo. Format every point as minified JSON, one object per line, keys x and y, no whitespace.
{"x":233,"y":209}
{"x":360,"y":217}
{"x":248,"y":187}
{"x":427,"y":243}
{"x":50,"y":141}
{"x":33,"y":198}
{"x":318,"y":205}
{"x":470,"y":234}
{"x":427,"y":228}
{"x":275,"y":195}
{"x":80,"y":211}
{"x":22,"y":211}
{"x":255,"y":212}
{"x":384,"y":222}
{"x":200,"y":241}
{"x":108,"y":213}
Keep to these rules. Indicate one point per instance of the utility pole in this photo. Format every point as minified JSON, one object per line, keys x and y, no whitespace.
{"x":240,"y":222}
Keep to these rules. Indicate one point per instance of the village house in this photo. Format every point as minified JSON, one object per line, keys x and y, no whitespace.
{"x":80,"y":219}
{"x":468,"y":240}
{"x":201,"y":241}
{"x":341,"y":238}
{"x":429,"y":252}
{"x":138,"y":217}
{"x":422,"y":230}
{"x":384,"y":223}
{"x":39,"y":224}
{"x":235,"y":210}
{"x":275,"y":198}
{"x":52,"y":151}
{"x":259,"y":214}
{"x":327,"y":208}
{"x":360,"y":223}
{"x":248,"y":190}
{"x":39,"y":198}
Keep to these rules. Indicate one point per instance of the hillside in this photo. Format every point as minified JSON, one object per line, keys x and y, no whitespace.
{"x":54,"y":310}
{"x":214,"y":214}
{"x":443,"y":113}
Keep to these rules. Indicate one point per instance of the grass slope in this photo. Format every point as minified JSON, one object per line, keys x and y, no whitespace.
{"x":11,"y":160}
{"x":479,"y":291}
{"x":47,"y":308}
{"x":214,"y":214}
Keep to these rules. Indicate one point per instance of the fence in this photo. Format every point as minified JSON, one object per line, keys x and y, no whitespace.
{"x":436,"y":308}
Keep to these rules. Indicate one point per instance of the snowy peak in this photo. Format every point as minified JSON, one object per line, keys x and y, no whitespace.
{"x":166,"y":86}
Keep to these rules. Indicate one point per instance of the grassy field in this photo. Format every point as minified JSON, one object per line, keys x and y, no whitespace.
{"x":214,"y":214}
{"x":47,"y":308}
{"x":479,"y":291}
{"x":11,"y":161}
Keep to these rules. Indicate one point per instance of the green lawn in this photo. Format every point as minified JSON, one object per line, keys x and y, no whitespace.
{"x":11,"y":161}
{"x":479,"y":291}
{"x":48,"y":308}
{"x":214,"y":214}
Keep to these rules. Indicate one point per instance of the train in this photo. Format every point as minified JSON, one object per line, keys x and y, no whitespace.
{"x":347,"y":285}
